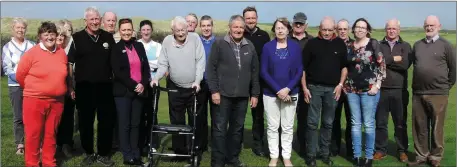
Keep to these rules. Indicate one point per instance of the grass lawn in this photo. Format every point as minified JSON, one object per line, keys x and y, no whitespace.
{"x":9,"y":158}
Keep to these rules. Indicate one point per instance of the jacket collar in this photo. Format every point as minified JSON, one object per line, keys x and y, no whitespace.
{"x":320,"y":36}
{"x":228,"y":39}
{"x":384,"y":40}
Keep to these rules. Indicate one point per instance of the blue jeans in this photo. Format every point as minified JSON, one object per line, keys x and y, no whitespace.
{"x":363,"y":110}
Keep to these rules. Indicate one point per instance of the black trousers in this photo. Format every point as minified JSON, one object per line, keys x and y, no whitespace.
{"x":258,"y":124}
{"x":146,"y":122}
{"x":226,"y":142}
{"x":67,"y":121}
{"x":336,"y":130}
{"x":129,"y":110}
{"x":179,"y":103}
{"x":302,"y":116}
{"x":391,"y":100}
{"x":91,"y":99}
{"x":205,"y":98}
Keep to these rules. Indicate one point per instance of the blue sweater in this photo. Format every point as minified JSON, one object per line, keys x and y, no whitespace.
{"x":281,"y":71}
{"x":207,"y":45}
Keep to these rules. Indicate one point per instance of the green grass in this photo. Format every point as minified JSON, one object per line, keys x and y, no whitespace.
{"x":8,"y":157}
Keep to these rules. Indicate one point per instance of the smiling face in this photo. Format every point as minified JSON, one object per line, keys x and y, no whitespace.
{"x":92,"y":21}
{"x":19,"y":30}
{"x":361,"y":29}
{"x":250,"y":18}
{"x":146,"y":32}
{"x":180,"y":32}
{"x":237,"y":29}
{"x":206,"y":28}
{"x":126,"y":31}
{"x":432,"y":26}
{"x":60,"y":39}
{"x":48,"y":39}
{"x":343,"y":29}
{"x":191,"y":22}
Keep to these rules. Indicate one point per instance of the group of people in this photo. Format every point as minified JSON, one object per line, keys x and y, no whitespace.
{"x":111,"y":74}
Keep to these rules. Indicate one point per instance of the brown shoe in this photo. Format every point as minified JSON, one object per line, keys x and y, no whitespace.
{"x":403,"y":157}
{"x":435,"y":163}
{"x":416,"y":163}
{"x":379,"y":156}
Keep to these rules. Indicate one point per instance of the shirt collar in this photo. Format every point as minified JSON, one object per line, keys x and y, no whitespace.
{"x":44,"y":48}
{"x":230,"y":40}
{"x":175,"y":43}
{"x":433,"y":39}
{"x":207,"y":40}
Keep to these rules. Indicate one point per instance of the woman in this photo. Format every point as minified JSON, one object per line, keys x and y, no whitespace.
{"x":11,"y":54}
{"x":281,"y":69}
{"x":65,"y":129}
{"x":152,"y":52}
{"x":366,"y":70}
{"x":131,"y":72}
{"x":42,"y":72}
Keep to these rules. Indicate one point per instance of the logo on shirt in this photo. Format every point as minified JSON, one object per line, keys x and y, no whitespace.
{"x":246,"y":53}
{"x":105,"y":45}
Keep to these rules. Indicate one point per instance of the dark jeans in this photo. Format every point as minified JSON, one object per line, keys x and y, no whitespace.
{"x":336,"y":130}
{"x":16,"y":98}
{"x":226,"y":144}
{"x":258,"y":124}
{"x":391,"y":100}
{"x":129,"y":110}
{"x":205,"y":98}
{"x":146,"y":122}
{"x":67,"y":121}
{"x":302,"y":116}
{"x":322,"y":98}
{"x":91,"y":99}
{"x":179,"y":103}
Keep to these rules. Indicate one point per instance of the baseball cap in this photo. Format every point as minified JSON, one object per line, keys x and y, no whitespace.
{"x":300,"y":17}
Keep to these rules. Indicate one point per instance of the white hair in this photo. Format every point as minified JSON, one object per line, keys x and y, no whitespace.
{"x":236,"y":18}
{"x":18,"y":20}
{"x":91,"y":9}
{"x":395,"y":20}
{"x":178,"y":20}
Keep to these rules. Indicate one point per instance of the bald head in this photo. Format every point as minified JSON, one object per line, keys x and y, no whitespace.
{"x":342,"y":29}
{"x":327,"y":27}
{"x":432,"y":26}
{"x":109,"y":22}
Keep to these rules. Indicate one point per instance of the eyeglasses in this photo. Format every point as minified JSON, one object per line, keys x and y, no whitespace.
{"x":342,"y":29}
{"x":360,"y":28}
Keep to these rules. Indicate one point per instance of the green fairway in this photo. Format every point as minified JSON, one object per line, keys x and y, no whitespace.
{"x":9,"y":158}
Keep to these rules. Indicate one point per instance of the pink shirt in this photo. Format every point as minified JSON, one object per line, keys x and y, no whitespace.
{"x":135,"y":64}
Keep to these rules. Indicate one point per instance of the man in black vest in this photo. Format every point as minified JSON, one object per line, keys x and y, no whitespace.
{"x":258,"y":37}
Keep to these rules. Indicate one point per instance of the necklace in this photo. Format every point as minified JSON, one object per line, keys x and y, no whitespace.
{"x":93,"y":39}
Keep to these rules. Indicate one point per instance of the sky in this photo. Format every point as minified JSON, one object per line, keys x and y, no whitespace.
{"x":410,"y":14}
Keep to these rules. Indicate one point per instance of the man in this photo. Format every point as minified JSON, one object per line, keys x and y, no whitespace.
{"x":109,"y":20}
{"x":342,"y":30}
{"x":207,"y":38}
{"x":434,"y":75}
{"x":323,"y":77}
{"x":233,"y":77}
{"x":183,"y":57}
{"x":91,"y":51}
{"x":396,"y":52}
{"x":300,"y":35}
{"x":259,"y":38}
{"x":192,"y":22}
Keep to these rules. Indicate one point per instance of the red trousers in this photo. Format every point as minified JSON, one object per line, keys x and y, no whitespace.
{"x":41,"y":117}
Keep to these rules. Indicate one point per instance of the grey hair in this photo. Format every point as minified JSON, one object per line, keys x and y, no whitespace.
{"x":91,"y":9}
{"x":343,"y":20}
{"x":236,"y":18}
{"x":394,"y":19}
{"x":19,"y":20}
{"x":193,"y":15}
{"x":178,"y":20}
{"x":206,"y":17}
{"x":62,"y":28}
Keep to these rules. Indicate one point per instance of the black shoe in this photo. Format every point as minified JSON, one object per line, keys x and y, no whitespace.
{"x":236,"y":163}
{"x":359,"y":162}
{"x":311,"y":162}
{"x":258,"y":152}
{"x":334,"y":153}
{"x":129,"y":162}
{"x":105,"y":160}
{"x":89,"y":160}
{"x":326,"y":160}
{"x":138,"y":162}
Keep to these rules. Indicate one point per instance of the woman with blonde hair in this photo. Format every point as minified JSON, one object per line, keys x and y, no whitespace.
{"x":66,"y":126}
{"x":11,"y":55}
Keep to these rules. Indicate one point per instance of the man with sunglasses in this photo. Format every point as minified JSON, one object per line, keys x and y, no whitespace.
{"x":324,"y":73}
{"x":342,"y":29}
{"x":300,"y":35}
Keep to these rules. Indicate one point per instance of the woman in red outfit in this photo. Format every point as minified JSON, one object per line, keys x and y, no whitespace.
{"x":42,"y":73}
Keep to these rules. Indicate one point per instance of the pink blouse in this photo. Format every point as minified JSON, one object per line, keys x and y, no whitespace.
{"x":135,"y":64}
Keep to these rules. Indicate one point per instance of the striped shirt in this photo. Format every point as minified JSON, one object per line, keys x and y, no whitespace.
{"x":11,"y":54}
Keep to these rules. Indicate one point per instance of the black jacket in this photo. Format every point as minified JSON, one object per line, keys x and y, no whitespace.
{"x":396,"y":72}
{"x":123,"y":85}
{"x":223,"y":73}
